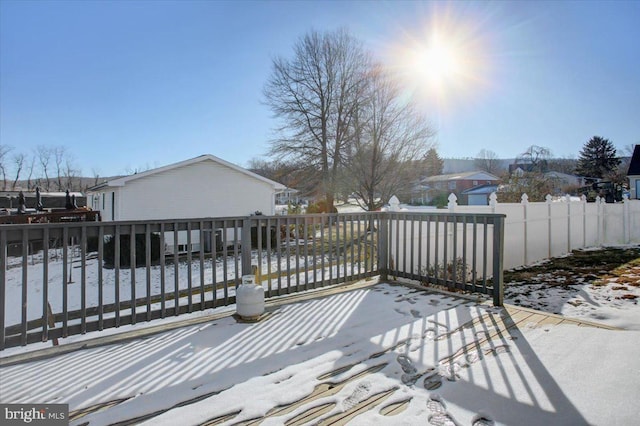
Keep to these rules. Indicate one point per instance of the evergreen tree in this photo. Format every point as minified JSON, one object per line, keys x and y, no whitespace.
{"x":433,"y":164}
{"x":597,"y":158}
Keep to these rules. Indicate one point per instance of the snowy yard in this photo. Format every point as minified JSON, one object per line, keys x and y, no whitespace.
{"x":380,"y":354}
{"x":599,"y":284}
{"x":186,"y":276}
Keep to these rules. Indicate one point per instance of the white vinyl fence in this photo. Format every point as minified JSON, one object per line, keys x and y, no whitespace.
{"x":540,"y":230}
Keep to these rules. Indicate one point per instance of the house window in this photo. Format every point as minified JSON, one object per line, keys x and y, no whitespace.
{"x":452,"y":184}
{"x":475,"y":183}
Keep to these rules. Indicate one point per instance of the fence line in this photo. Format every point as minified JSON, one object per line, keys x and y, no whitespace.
{"x":540,"y":230}
{"x":61,"y":279}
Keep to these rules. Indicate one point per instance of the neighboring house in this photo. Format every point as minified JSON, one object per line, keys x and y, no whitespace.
{"x":519,"y":169}
{"x":477,"y":196}
{"x":428,"y":188}
{"x":634,"y":174}
{"x":421,"y":194}
{"x":564,"y":180}
{"x":458,"y":182}
{"x":287,"y":196}
{"x":204,"y":186}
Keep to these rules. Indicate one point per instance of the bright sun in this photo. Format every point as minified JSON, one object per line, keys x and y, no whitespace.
{"x":445,"y":63}
{"x":437,"y":63}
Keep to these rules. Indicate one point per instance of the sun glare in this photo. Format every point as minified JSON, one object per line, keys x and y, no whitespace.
{"x":444,"y":62}
{"x":437,"y":63}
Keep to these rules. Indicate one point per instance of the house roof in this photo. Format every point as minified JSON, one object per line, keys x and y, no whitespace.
{"x":560,"y":175}
{"x":481,"y":189}
{"x":288,"y":190}
{"x":122,"y":181}
{"x":477,"y":175}
{"x":634,"y":166}
{"x":525,"y":167}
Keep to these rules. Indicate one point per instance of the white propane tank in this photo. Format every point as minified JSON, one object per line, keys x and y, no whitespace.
{"x":249,"y":298}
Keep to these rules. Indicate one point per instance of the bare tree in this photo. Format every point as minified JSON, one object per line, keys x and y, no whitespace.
{"x":315,"y":95}
{"x":297,"y":176}
{"x":129,"y":170}
{"x":390,"y":134}
{"x":59,"y":153}
{"x":536,"y":158}
{"x":534,"y":163}
{"x":30,"y":168}
{"x":4,"y":152}
{"x":488,"y":161}
{"x":535,"y":185}
{"x":71,"y":174}
{"x":619,"y":174}
{"x":269,"y":169}
{"x":627,"y":150}
{"x":96,"y":176}
{"x":279,"y":171}
{"x":18,"y":163}
{"x":43,"y":155}
{"x":563,"y":165}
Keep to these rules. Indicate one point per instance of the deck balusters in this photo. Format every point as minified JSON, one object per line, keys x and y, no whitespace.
{"x":450,"y":249}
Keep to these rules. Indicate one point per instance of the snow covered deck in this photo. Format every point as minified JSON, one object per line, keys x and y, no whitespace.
{"x":368,"y":353}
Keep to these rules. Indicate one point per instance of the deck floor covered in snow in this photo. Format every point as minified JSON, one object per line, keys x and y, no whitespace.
{"x":369,"y":353}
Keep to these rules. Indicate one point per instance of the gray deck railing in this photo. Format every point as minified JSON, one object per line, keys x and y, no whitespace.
{"x":453,"y":250}
{"x":63,"y":279}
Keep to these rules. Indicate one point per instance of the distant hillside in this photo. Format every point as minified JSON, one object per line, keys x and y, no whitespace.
{"x":461,"y":165}
{"x":79,"y":184}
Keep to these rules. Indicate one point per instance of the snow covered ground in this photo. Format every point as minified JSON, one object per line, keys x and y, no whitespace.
{"x":605,"y":303}
{"x":605,"y":296}
{"x":399,"y":342}
{"x":211,"y":271}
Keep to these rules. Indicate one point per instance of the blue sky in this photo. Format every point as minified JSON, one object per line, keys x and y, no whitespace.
{"x":139,"y":84}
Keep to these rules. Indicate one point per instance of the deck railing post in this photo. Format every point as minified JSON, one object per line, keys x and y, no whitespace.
{"x":498,"y":260}
{"x":392,"y":245}
{"x":3,"y":284}
{"x":383,"y":246}
{"x":246,"y":246}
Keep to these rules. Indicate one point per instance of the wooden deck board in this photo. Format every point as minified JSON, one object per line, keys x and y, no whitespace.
{"x":490,"y":330}
{"x":394,"y":408}
{"x":493,"y":328}
{"x":362,"y":407}
{"x":547,"y":320}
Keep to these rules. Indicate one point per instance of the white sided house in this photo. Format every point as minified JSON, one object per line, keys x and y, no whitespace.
{"x":204,"y":186}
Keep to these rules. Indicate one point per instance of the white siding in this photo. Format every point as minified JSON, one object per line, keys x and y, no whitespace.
{"x":203,"y":189}
{"x":104,"y":200}
{"x":634,"y":187}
